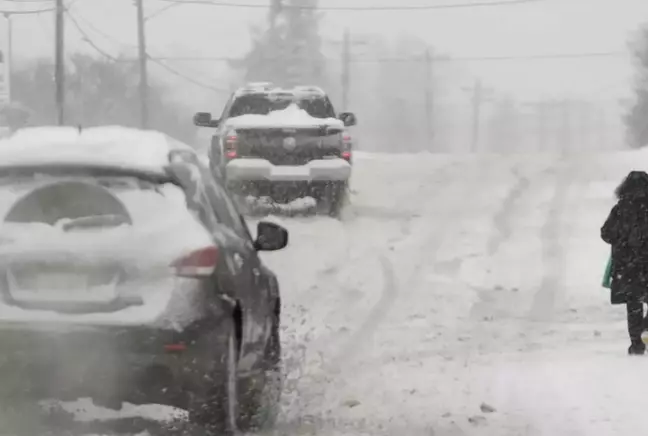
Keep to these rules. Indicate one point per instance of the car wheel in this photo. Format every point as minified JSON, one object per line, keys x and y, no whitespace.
{"x":261,"y":395}
{"x":214,"y":405}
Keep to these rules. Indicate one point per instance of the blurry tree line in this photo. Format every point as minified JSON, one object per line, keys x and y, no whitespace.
{"x":288,"y":49}
{"x":409,"y":101}
{"x":637,"y":117}
{"x":99,"y":91}
{"x":404,"y":101}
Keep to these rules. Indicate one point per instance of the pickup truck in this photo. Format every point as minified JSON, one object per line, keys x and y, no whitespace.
{"x":282,"y":144}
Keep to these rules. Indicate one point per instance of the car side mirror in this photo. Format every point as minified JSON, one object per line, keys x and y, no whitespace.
{"x":270,"y":237}
{"x":204,"y":119}
{"x":348,"y":118}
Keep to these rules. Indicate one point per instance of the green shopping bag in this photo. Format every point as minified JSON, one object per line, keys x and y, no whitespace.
{"x":607,"y":277}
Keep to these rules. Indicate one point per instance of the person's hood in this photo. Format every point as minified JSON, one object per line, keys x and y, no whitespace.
{"x":635,"y":184}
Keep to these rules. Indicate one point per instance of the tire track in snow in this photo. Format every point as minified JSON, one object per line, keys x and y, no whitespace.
{"x":553,"y":253}
{"x":306,"y":391}
{"x":359,"y":337}
{"x":504,"y":223}
{"x":436,"y":234}
{"x":443,"y":195}
{"x":323,"y":384}
{"x":502,"y":220}
{"x":433,"y":189}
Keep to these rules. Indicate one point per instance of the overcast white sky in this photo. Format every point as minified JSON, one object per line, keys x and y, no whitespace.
{"x":545,"y":27}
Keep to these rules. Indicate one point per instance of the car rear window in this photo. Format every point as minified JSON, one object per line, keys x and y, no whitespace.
{"x":261,"y":104}
{"x":51,"y":198}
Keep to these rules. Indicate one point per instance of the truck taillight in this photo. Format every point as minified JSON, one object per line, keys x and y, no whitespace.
{"x":231,"y":143}
{"x":347,"y":143}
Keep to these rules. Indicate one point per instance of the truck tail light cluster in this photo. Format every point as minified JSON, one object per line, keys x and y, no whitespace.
{"x":347,"y":143}
{"x":231,"y":145}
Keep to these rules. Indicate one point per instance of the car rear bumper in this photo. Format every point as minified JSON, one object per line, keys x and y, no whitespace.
{"x":260,"y":169}
{"x":135,"y":365}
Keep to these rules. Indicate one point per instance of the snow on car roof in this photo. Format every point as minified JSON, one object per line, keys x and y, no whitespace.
{"x":292,"y":116}
{"x":107,"y":146}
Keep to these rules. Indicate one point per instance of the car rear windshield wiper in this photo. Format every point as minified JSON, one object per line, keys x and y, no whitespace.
{"x":95,"y":221}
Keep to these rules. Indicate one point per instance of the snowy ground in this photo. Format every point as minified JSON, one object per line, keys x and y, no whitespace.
{"x":456,"y":281}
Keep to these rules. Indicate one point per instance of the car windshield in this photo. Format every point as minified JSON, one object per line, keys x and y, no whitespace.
{"x":262,"y":104}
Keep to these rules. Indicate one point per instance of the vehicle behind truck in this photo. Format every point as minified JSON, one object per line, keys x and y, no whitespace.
{"x":282,"y":144}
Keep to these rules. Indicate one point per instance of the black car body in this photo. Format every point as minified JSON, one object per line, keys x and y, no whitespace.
{"x":128,"y":275}
{"x":282,"y":143}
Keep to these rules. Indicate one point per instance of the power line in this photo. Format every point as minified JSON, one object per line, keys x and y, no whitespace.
{"x":37,"y":11}
{"x":157,"y":61}
{"x":558,"y":56}
{"x":358,"y":8}
{"x":104,"y":34}
{"x":87,"y":38}
{"x":187,"y":78}
{"x":27,"y":1}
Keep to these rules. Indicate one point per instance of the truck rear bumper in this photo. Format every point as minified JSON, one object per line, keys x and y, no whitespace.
{"x":260,"y":169}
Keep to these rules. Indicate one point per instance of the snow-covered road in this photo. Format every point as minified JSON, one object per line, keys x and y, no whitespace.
{"x":455,"y":281}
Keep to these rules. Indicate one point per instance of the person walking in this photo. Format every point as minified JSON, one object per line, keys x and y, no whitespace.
{"x":626,"y":230}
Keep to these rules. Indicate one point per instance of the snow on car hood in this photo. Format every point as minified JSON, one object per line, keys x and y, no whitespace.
{"x":292,"y":116}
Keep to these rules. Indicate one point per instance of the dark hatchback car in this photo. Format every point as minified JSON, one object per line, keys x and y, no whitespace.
{"x":128,"y":275}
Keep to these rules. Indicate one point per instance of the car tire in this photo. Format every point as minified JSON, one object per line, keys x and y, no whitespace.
{"x":261,"y":395}
{"x":214,"y":404}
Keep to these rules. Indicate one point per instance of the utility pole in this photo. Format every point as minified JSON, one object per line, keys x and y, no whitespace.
{"x":479,"y":96}
{"x":429,"y":98}
{"x":543,"y":124}
{"x":476,"y":100}
{"x":59,"y":73}
{"x":601,"y":122}
{"x":8,"y":56}
{"x":566,"y":109}
{"x":541,"y":113}
{"x":346,"y":69}
{"x":143,"y":84}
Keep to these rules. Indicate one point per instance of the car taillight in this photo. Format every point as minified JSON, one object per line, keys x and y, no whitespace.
{"x":346,"y":155}
{"x":175,"y":348}
{"x":197,"y":264}
{"x":231,"y":142}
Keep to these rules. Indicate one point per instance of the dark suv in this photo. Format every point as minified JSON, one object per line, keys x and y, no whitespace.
{"x":283,"y":144}
{"x":127,"y":275}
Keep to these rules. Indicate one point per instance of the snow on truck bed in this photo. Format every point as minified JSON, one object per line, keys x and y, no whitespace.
{"x":292,"y":116}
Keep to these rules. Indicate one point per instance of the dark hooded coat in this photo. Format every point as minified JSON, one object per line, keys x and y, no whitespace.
{"x":626,"y":230}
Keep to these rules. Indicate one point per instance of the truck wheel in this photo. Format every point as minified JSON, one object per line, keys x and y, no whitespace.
{"x":337,"y":198}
